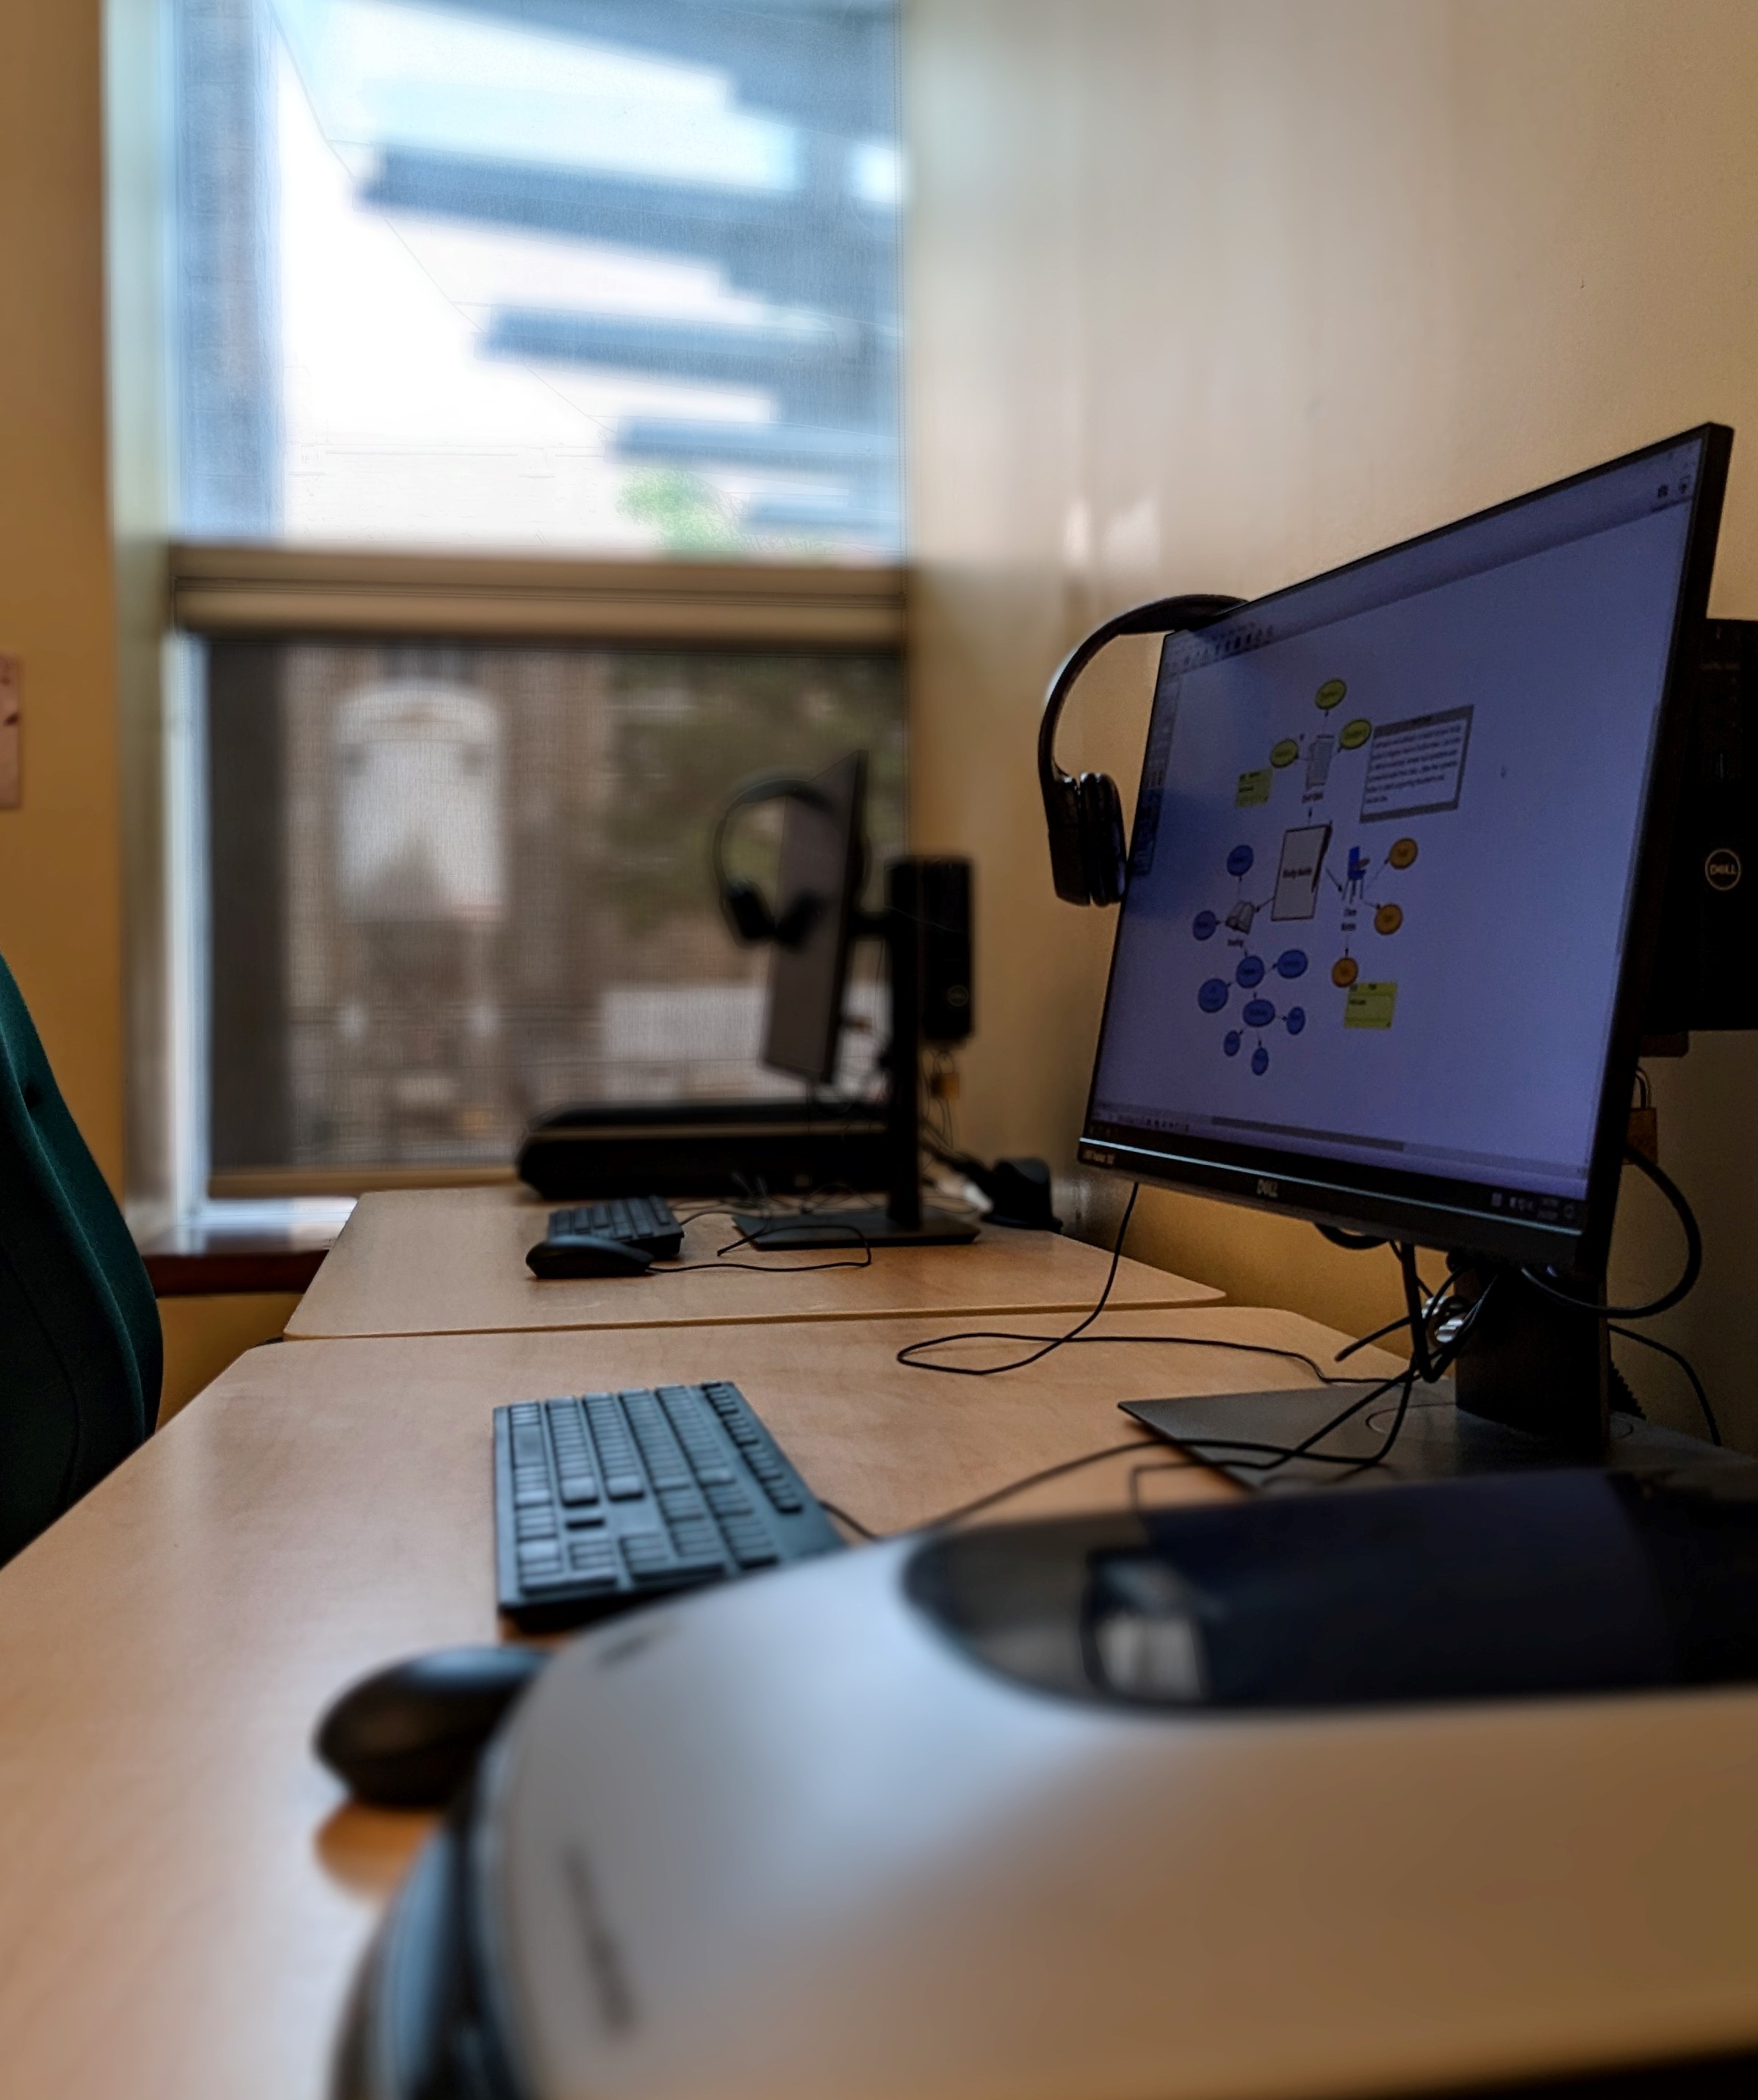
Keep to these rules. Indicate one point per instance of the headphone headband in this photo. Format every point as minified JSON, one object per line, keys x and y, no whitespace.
{"x":742,"y":902}
{"x":1085,"y":814}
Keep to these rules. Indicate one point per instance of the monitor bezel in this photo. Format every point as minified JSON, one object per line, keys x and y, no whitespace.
{"x":1431,"y":1211}
{"x":818,"y":970}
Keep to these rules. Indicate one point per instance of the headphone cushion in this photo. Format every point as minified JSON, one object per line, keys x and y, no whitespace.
{"x":1103,"y":848}
{"x":748,"y":915}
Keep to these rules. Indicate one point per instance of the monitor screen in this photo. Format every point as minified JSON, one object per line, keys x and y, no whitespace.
{"x":1386,"y":861}
{"x":823,"y":854}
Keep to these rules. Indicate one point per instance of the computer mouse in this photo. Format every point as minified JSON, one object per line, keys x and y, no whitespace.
{"x":409,"y":1736}
{"x":585,"y":1254}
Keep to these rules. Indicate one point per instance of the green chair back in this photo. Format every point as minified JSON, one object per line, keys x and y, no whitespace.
{"x":81,"y":1354}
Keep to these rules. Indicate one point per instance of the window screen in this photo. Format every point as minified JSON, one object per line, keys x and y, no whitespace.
{"x":452,"y":885}
{"x":590,"y":274}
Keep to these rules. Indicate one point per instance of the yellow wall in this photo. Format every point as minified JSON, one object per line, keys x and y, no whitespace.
{"x":59,"y":868}
{"x":1212,"y":296}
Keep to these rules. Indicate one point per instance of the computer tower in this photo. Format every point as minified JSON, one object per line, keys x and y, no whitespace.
{"x":1702,"y":975}
{"x":936,"y":894}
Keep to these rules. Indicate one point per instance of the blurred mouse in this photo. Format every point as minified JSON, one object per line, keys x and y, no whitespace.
{"x":409,"y":1736}
{"x":586,"y":1254}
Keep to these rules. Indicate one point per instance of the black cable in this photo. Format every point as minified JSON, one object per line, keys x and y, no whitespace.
{"x":754,"y":1241}
{"x":1379,"y":1334}
{"x":1001,"y":1494}
{"x":908,"y":1354}
{"x":1430,"y":1363}
{"x":1276,"y":1455}
{"x":1694,"y":1257}
{"x":1685,"y":1365}
{"x":1030,"y":1480}
{"x":1076,"y":1341}
{"x":1416,"y":1315}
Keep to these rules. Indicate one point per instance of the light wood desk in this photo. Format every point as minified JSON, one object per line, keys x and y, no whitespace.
{"x":452,"y":1261}
{"x":185,"y":1891}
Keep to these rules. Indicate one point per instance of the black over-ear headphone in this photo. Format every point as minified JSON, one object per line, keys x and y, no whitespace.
{"x":1085,"y":815}
{"x":746,"y":910}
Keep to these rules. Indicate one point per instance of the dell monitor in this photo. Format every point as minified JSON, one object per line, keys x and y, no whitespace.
{"x":818,"y":901}
{"x":1394,"y":889}
{"x":818,"y":918}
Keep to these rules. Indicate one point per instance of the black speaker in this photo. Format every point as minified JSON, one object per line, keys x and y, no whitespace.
{"x":943,"y":907}
{"x":1703,"y":976}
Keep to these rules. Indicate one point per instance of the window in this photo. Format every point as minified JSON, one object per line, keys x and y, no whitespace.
{"x":616,"y":275}
{"x":538,"y":481}
{"x":411,"y":958}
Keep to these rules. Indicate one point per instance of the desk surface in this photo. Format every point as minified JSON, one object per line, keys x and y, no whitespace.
{"x":186,"y":1891}
{"x":452,"y":1261}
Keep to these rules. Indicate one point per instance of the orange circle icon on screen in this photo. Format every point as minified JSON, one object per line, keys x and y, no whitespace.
{"x":1344,"y":971}
{"x":1387,"y":918}
{"x":1403,"y":852}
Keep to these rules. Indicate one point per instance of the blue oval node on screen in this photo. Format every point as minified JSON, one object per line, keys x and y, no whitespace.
{"x":1295,"y":1018}
{"x":1231,"y":1042}
{"x":1213,"y":995}
{"x":1240,"y":861}
{"x":1259,"y":1061}
{"x":1250,"y":972}
{"x":1292,"y":963}
{"x":1258,"y":1013}
{"x":1203,"y":925}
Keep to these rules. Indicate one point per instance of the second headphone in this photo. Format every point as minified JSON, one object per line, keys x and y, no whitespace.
{"x":1085,"y":813}
{"x":746,"y":910}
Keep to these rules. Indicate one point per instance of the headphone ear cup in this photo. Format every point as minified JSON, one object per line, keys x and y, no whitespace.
{"x":748,"y":915}
{"x":1102,"y":849}
{"x":798,"y":921}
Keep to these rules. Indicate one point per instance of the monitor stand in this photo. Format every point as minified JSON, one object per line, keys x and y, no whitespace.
{"x":1531,"y":1387}
{"x":902,"y":1220}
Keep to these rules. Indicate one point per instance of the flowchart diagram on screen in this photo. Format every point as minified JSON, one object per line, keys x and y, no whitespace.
{"x":1333,"y":872}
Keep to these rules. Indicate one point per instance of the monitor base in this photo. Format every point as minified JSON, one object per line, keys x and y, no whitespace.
{"x":850,"y":1229}
{"x":1439,"y":1440}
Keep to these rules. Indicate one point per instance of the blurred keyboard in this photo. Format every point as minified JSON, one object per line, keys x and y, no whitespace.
{"x":644,"y":1221}
{"x":611,"y":1498}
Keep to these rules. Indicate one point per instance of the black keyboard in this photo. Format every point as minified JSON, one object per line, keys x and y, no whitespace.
{"x":605,"y":1500}
{"x":644,"y":1221}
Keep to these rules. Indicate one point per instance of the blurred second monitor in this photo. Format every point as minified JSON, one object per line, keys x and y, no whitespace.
{"x":818,"y":902}
{"x":605,"y":1150}
{"x":817,"y":918}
